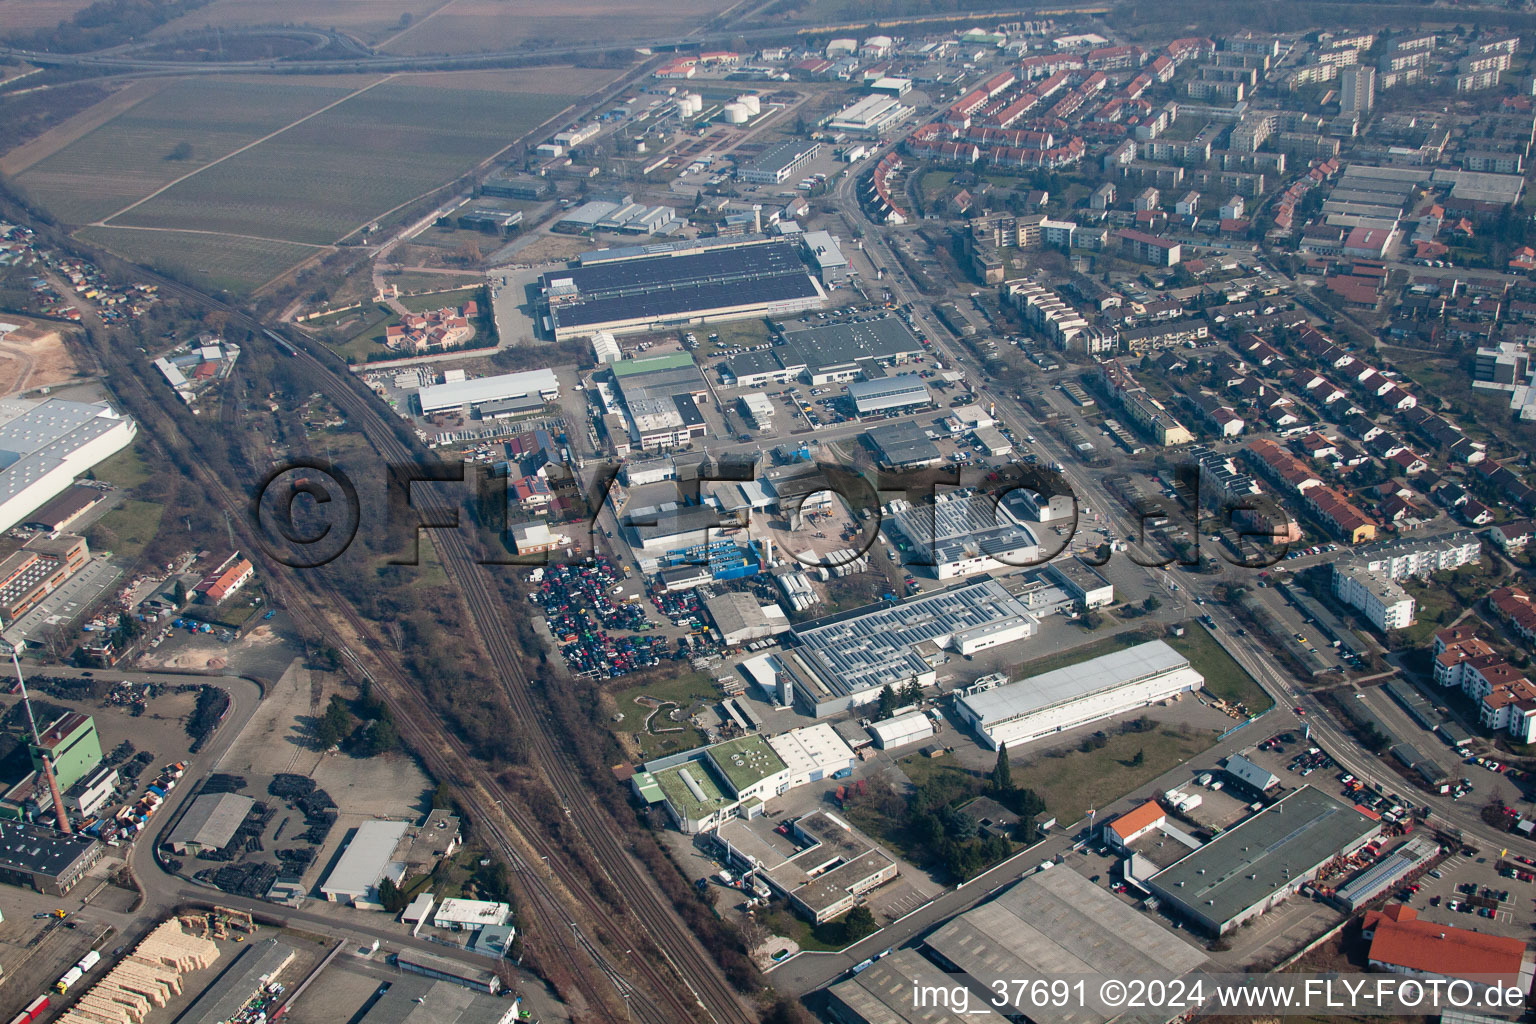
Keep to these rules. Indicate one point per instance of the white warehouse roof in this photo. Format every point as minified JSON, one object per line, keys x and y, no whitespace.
{"x":365,"y":860}
{"x":457,"y":394}
{"x":903,"y":729}
{"x":1074,"y":682}
{"x":475,"y":913}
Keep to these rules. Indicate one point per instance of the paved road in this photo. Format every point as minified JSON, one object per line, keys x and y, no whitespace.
{"x":162,"y":891}
{"x":808,"y":971}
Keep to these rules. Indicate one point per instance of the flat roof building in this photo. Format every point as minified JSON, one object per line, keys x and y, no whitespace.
{"x":742,"y":618}
{"x":210,"y":823}
{"x":459,"y":914}
{"x":901,"y":730}
{"x":1084,"y":584}
{"x":902,"y":445}
{"x":368,"y":859}
{"x":843,"y":661}
{"x":1055,"y":923}
{"x":429,"y":965}
{"x":887,"y":394}
{"x":777,"y":164}
{"x":873,"y":114}
{"x":45,"y":445}
{"x":44,"y":859}
{"x":882,"y":994}
{"x":1259,"y":862}
{"x":826,"y":256}
{"x":257,"y":965}
{"x":843,"y":351}
{"x":71,"y":743}
{"x":1068,"y":697}
{"x":962,"y":536}
{"x":456,"y":395}
{"x":420,"y":1000}
{"x":652,"y":289}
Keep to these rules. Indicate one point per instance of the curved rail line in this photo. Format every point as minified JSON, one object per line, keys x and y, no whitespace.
{"x":694,"y":983}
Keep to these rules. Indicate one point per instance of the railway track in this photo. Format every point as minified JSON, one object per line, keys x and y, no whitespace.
{"x":688,"y":983}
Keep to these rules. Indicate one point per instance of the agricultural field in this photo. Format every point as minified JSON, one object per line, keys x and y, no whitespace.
{"x":466,"y":26}
{"x":19,"y":16}
{"x":236,"y":265}
{"x":369,"y":20}
{"x":331,"y":175}
{"x":132,"y":154}
{"x":235,"y":179}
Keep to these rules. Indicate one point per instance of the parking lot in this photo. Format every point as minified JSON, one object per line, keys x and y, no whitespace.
{"x":1471,"y":893}
{"x":580,"y":605}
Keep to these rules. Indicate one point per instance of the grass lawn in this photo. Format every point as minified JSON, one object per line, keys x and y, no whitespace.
{"x":1072,"y":784}
{"x":1223,"y":676}
{"x":429,"y":570}
{"x":125,"y":470}
{"x":234,"y":613}
{"x":733,"y":334}
{"x":437,"y":300}
{"x":1062,"y":659}
{"x":126,"y":529}
{"x":686,"y":692}
{"x":787,"y":924}
{"x":416,"y":281}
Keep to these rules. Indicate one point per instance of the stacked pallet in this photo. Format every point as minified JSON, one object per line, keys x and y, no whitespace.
{"x":144,"y":979}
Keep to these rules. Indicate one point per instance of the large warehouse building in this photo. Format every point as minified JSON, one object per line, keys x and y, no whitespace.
{"x":1055,"y":923}
{"x":45,"y":445}
{"x":883,"y":994}
{"x":210,"y":823}
{"x":843,"y":661}
{"x":837,"y":352}
{"x":889,"y":394}
{"x":648,"y":289}
{"x":368,"y":859}
{"x":1068,"y":697}
{"x":963,"y":536}
{"x":827,"y":353}
{"x":1262,"y":860}
{"x":532,"y":386}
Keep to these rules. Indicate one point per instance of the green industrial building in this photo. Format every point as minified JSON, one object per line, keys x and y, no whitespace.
{"x":71,"y":743}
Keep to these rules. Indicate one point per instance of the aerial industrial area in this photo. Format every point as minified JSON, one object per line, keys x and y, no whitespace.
{"x":780,"y":512}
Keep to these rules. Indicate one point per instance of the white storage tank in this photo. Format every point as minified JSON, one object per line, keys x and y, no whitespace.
{"x":695,"y":101}
{"x":751,"y":102}
{"x":735,"y":113}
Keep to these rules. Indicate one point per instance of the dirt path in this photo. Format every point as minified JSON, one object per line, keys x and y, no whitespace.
{"x":82,"y":124}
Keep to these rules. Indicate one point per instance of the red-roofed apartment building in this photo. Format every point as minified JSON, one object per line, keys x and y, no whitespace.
{"x":1514,"y":606}
{"x":1404,"y":944}
{"x":1132,"y":825}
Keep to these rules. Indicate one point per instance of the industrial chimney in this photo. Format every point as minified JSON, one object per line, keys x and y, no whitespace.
{"x":58,"y":798}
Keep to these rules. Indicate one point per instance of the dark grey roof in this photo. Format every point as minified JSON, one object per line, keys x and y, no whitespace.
{"x":255,"y":966}
{"x":825,"y":346}
{"x":902,"y":444}
{"x":668,"y":284}
{"x":39,"y":849}
{"x":1270,"y":851}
